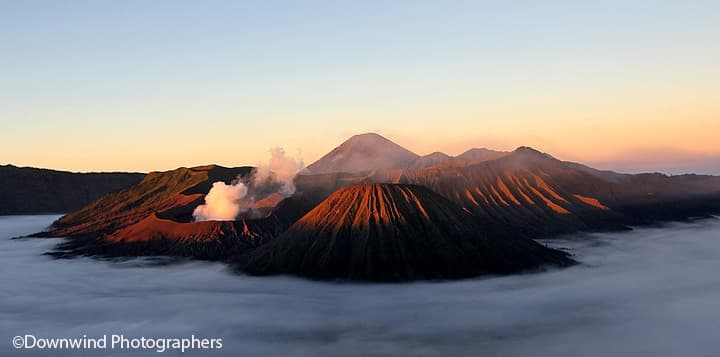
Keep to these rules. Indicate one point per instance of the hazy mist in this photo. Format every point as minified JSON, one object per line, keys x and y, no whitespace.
{"x":649,"y":292}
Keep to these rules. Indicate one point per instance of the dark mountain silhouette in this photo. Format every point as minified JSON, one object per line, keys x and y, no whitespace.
{"x":395,"y":232}
{"x":27,"y":190}
{"x":362,"y":153}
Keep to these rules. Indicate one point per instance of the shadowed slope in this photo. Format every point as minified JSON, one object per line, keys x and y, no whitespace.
{"x":394,"y":232}
{"x":27,"y":190}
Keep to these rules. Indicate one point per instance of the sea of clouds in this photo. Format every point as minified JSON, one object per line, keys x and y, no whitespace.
{"x":649,"y":292}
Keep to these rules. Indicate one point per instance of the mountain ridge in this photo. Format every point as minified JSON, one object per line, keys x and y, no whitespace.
{"x":30,"y":190}
{"x":524,"y":193}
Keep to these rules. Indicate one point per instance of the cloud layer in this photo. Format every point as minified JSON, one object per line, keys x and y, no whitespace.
{"x":649,"y":292}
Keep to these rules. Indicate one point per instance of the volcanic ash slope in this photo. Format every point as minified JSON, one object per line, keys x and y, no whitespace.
{"x":393,"y":232}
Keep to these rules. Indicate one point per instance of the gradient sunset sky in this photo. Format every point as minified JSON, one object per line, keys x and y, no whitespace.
{"x":154,"y":85}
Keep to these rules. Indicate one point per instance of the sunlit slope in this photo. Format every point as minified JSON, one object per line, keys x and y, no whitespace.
{"x":156,"y":193}
{"x":395,"y":232}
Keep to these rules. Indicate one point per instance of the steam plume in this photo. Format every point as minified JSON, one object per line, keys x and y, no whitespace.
{"x":222,"y":203}
{"x":225,"y":202}
{"x":280,"y":169}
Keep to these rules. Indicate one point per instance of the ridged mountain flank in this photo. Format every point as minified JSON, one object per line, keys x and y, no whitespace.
{"x":393,"y":232}
{"x":531,"y":193}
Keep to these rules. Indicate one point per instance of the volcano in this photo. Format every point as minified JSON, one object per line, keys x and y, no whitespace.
{"x":392,"y":232}
{"x":520,"y":194}
{"x":364,"y":152}
{"x":154,"y":217}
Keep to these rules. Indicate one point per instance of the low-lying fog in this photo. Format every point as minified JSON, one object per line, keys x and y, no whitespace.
{"x":649,"y":292}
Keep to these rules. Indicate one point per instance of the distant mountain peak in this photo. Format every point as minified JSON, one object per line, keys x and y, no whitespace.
{"x":476,"y":155}
{"x":367,"y":136}
{"x":369,"y":139}
{"x":431,"y":159}
{"x":364,"y":152}
{"x":437,"y":154}
{"x":476,"y":150}
{"x":529,"y":151}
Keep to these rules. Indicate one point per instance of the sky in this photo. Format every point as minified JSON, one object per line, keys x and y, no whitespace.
{"x":155,"y":85}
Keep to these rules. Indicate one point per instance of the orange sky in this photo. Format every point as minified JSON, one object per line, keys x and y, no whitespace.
{"x":596,"y":127}
{"x":614,"y":83}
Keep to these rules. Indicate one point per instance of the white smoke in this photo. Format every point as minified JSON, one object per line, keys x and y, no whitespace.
{"x":280,"y":169}
{"x":222,"y":203}
{"x":225,"y":202}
